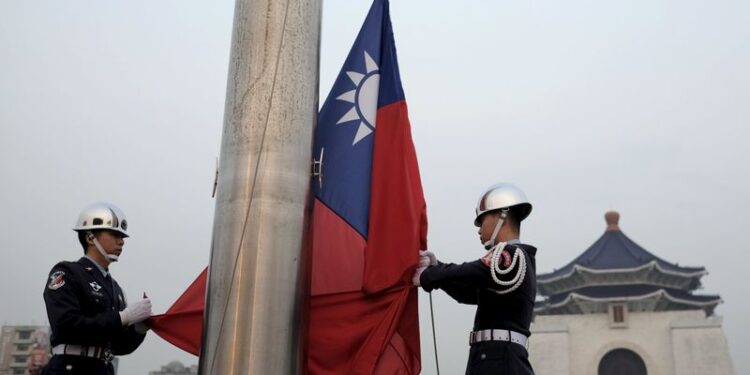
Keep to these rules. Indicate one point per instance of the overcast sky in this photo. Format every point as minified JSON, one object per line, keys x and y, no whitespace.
{"x":638,"y":106}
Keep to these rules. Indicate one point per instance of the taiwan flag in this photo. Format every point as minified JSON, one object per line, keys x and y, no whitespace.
{"x":368,"y":217}
{"x":368,"y":224}
{"x":182,"y":324}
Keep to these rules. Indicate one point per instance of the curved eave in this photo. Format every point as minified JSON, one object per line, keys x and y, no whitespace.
{"x":568,"y":281}
{"x":578,"y":268}
{"x":578,"y":299}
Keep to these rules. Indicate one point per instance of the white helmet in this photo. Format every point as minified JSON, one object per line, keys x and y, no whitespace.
{"x":502,"y":196}
{"x":102,"y":216}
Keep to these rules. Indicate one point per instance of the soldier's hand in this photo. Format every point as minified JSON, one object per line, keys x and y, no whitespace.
{"x":136,"y":312}
{"x":427,"y":257}
{"x":417,"y":275}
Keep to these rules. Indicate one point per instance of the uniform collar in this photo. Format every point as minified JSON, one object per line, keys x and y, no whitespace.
{"x":101,"y":269}
{"x":529,"y":249}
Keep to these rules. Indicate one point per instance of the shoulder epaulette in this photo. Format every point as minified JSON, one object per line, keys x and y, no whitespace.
{"x":506,"y":262}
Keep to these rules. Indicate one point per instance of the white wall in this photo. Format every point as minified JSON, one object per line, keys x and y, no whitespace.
{"x":701,"y":348}
{"x":574,"y":344}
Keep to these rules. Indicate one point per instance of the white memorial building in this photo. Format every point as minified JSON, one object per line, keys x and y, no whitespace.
{"x":618,"y":309}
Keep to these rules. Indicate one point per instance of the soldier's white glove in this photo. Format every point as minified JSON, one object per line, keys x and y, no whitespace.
{"x":136,"y":312}
{"x":427,"y":258}
{"x":417,"y":274}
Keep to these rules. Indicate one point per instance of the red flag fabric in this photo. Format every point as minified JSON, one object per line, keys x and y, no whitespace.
{"x":364,"y":316}
{"x":182,"y":324}
{"x":369,"y":220}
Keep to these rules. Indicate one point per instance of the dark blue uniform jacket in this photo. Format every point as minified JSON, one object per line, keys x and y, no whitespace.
{"x":83,"y":309}
{"x":472,"y":283}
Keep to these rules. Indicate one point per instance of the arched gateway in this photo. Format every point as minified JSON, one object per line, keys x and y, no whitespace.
{"x":622,"y":362}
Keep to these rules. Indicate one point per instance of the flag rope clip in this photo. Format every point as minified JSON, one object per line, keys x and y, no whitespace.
{"x":317,"y":168}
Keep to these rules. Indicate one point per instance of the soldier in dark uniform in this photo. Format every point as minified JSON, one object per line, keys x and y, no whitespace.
{"x":90,"y":319}
{"x":502,"y":284}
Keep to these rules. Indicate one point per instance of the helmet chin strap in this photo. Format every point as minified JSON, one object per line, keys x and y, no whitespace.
{"x":489,"y":244}
{"x":109,"y":257}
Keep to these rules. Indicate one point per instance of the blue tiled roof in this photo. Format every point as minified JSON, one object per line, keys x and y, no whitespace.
{"x":614,"y":250}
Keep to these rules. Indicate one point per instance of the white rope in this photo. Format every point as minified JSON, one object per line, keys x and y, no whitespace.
{"x":518,"y":258}
{"x":109,"y":257}
{"x":500,"y":221}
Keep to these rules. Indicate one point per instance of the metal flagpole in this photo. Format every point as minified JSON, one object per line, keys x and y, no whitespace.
{"x":257,"y":283}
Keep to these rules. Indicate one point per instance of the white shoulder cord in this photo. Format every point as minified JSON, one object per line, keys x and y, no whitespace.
{"x":497,"y":250}
{"x":495,"y":270}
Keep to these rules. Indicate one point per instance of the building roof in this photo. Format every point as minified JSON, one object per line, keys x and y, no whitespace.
{"x":614,"y":252}
{"x":617,"y":270}
{"x":639,"y":297}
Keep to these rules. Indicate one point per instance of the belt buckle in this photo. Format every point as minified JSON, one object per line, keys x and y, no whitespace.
{"x":108,"y":356}
{"x":506,"y":335}
{"x":486,"y":334}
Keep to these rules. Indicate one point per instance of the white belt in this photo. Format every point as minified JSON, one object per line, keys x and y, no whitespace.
{"x":83,"y":351}
{"x":498,"y":335}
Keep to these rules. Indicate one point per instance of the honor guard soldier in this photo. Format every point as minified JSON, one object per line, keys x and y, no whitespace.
{"x":90,"y":318}
{"x":502,"y":284}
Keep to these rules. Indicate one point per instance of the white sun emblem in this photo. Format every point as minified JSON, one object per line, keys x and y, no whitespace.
{"x":365,"y":99}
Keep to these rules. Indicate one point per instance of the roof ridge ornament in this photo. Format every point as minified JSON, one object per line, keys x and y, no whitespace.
{"x":613,"y":219}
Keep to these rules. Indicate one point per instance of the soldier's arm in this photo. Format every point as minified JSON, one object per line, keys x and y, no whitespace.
{"x":474,"y":274}
{"x":64,"y":308}
{"x":460,"y":276}
{"x":465,"y":294}
{"x":130,"y":339}
{"x":127,"y":341}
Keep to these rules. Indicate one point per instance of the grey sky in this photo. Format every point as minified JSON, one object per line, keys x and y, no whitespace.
{"x":637,"y":106}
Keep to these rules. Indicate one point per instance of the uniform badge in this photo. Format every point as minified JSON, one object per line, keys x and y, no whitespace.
{"x":487,"y":259}
{"x":56,"y":280}
{"x":95,"y":286}
{"x":505,"y":258}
